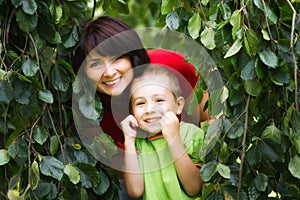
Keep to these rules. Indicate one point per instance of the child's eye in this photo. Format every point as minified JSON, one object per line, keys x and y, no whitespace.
{"x":160,"y":100}
{"x":139,"y":103}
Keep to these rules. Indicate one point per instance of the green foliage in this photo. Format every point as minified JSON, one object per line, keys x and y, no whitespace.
{"x":252,"y":151}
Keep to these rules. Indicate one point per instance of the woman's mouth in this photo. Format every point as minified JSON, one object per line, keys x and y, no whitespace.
{"x":109,"y":83}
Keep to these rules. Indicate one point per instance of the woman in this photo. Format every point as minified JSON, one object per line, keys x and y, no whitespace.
{"x":108,"y":51}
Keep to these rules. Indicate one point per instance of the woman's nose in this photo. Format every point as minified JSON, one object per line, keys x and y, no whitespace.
{"x":109,"y":70}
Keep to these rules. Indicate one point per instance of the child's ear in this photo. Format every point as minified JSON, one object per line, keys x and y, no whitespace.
{"x":180,"y":105}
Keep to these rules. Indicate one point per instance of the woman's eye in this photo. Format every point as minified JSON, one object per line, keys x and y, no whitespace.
{"x":95,"y":64}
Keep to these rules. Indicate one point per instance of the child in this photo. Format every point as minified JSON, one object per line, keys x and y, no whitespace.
{"x":161,"y":153}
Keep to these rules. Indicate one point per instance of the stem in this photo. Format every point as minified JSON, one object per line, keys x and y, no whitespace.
{"x":243,"y":147}
{"x":293,"y":54}
{"x":245,"y":13}
{"x":266,"y":17}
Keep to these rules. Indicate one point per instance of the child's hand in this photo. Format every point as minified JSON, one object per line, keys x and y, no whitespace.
{"x":170,"y":125}
{"x":129,"y":126}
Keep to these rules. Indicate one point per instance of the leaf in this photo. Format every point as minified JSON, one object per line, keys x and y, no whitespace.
{"x":46,"y":96}
{"x":236,"y":22}
{"x":29,"y":67}
{"x":248,"y":72}
{"x":270,"y":14}
{"x":4,"y":157}
{"x":269,"y":58}
{"x":87,"y":107}
{"x":166,"y":6}
{"x":208,"y":170}
{"x":6,"y":94}
{"x":224,"y":95}
{"x":271,"y":151}
{"x":60,"y":78}
{"x":223,"y":170}
{"x":72,"y":173}
{"x":211,"y":137}
{"x":225,"y":10}
{"x":35,"y":175}
{"x":273,"y":133}
{"x":208,"y":38}
{"x":53,"y":145}
{"x":294,"y":166}
{"x":253,"y":87}
{"x":194,"y":26}
{"x":261,"y":182}
{"x":237,"y":45}
{"x":251,"y":42}
{"x":89,"y":175}
{"x":172,"y":20}
{"x":265,"y":35}
{"x":50,"y":166}
{"x":71,"y":39}
{"x":27,"y":23}
{"x":29,"y":6}
{"x":104,"y":185}
{"x":22,"y":91}
{"x":16,"y":3}
{"x":40,"y":135}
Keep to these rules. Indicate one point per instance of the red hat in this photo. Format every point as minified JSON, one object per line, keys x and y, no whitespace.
{"x":175,"y":60}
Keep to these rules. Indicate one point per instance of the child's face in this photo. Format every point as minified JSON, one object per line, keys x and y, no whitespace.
{"x":150,"y":102}
{"x":112,"y":75}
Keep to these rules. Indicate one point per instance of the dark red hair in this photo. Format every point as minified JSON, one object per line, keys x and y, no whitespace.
{"x":109,"y":36}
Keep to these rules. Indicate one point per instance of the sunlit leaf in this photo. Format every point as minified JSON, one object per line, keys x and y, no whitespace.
{"x":166,"y":6}
{"x":223,"y":170}
{"x":172,"y":20}
{"x":194,"y":26}
{"x":236,"y":22}
{"x":35,"y":175}
{"x":208,"y":38}
{"x":235,"y":48}
{"x":46,"y":96}
{"x":72,"y":173}
{"x":294,"y":166}
{"x":4,"y":157}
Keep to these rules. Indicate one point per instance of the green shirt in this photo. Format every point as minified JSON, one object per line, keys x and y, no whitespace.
{"x":160,"y":178}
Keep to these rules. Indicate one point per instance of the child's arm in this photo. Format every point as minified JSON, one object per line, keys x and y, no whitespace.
{"x":132,"y":173}
{"x":188,"y":173}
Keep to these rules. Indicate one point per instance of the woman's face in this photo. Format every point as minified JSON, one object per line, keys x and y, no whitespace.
{"x":111,"y":74}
